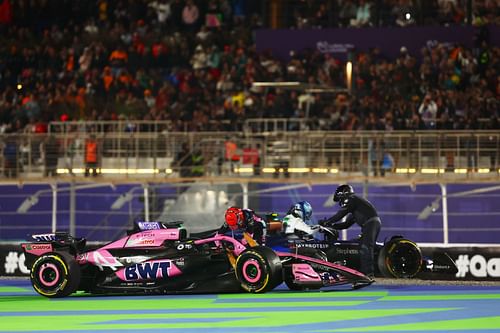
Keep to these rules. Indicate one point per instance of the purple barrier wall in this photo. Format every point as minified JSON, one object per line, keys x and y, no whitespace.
{"x":341,"y":40}
{"x":472,"y":219}
{"x":92,"y":209}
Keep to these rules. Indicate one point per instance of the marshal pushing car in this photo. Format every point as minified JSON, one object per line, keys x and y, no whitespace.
{"x":397,"y":257}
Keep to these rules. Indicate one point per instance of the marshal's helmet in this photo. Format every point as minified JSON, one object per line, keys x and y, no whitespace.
{"x":235,"y":218}
{"x":343,"y":192}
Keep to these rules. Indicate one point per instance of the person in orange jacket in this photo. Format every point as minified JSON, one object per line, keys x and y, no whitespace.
{"x":91,"y":156}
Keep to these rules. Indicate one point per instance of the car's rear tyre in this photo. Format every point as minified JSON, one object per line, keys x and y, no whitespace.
{"x":259,"y":269}
{"x":400,"y":258}
{"x":288,"y":274}
{"x":55,"y":275}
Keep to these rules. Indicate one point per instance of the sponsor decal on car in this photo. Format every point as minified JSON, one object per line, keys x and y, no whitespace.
{"x":145,"y":242}
{"x":44,"y":237}
{"x":82,"y":257}
{"x":141,"y":241}
{"x":312,"y":245}
{"x":145,"y":234}
{"x":30,"y":247}
{"x":180,"y":262}
{"x":149,"y":225}
{"x":102,"y":258}
{"x":347,"y":251}
{"x":184,"y":246}
{"x":147,"y":270}
{"x":37,"y":249}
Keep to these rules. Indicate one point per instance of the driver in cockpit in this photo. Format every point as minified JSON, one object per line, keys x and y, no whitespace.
{"x":246,"y":220}
{"x":295,"y":221}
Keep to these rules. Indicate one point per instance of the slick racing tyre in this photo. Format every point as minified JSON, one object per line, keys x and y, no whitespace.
{"x":288,"y":275}
{"x":55,"y":275}
{"x":259,"y":269}
{"x":400,"y":258}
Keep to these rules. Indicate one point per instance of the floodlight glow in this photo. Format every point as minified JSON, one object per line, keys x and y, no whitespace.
{"x":320,"y":170}
{"x":406,"y":170}
{"x":297,"y":170}
{"x":244,"y":170}
{"x":431,"y":170}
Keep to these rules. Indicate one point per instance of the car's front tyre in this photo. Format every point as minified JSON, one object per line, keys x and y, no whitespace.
{"x":259,"y":269}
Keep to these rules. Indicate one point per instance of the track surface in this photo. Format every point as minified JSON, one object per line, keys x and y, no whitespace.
{"x":382,"y":307}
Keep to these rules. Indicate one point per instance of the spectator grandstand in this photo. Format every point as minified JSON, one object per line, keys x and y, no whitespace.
{"x":191,"y":65}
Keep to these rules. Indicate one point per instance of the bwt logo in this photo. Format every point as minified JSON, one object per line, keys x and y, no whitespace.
{"x":147,"y":270}
{"x":477,"y":266}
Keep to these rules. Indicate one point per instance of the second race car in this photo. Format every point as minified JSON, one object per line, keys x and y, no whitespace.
{"x":397,"y":257}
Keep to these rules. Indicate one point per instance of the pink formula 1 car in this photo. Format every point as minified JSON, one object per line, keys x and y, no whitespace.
{"x":159,"y":258}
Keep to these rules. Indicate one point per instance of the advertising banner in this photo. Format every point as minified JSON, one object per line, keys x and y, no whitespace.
{"x":339,"y":41}
{"x":12,"y":261}
{"x":473,"y":263}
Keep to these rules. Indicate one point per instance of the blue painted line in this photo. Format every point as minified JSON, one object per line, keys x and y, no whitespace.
{"x":12,"y":294}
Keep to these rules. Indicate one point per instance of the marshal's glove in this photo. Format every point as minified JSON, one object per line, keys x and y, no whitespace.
{"x":323,"y":222}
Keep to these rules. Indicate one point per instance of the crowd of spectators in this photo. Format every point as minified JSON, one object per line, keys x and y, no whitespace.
{"x":193,"y":63}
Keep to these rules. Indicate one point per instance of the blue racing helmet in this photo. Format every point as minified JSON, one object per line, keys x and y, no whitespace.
{"x":302,"y":209}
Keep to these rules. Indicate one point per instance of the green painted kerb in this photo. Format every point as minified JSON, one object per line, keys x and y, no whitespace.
{"x":257,"y":319}
{"x":14,"y":290}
